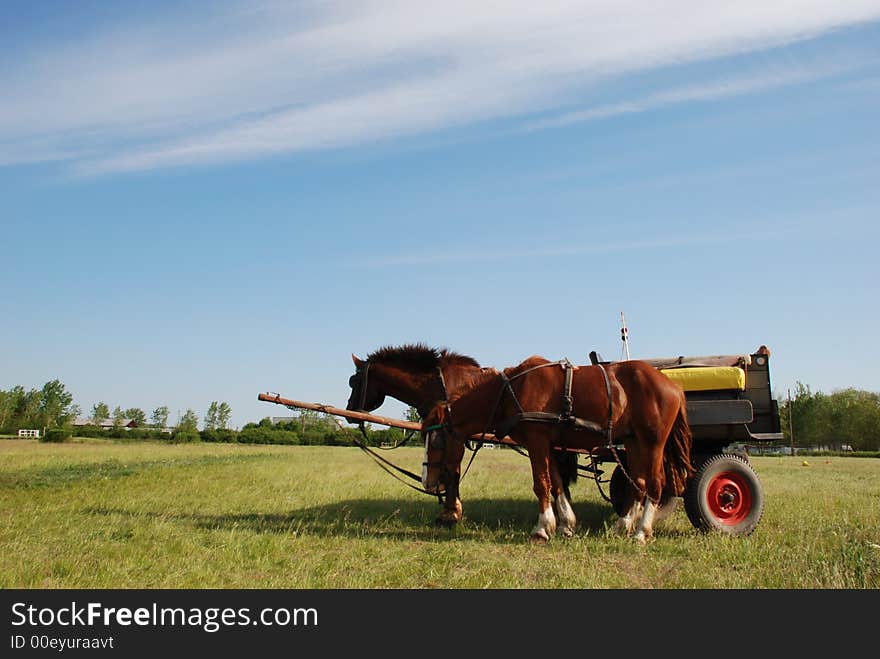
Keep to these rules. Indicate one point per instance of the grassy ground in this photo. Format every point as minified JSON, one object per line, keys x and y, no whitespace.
{"x":124,"y":515}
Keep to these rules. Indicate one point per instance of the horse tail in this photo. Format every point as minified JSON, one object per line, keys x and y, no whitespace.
{"x":567,"y":462}
{"x":677,"y":452}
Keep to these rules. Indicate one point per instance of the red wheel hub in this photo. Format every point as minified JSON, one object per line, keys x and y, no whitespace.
{"x":729,"y":498}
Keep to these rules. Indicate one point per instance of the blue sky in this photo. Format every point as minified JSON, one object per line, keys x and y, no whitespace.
{"x":203,"y":201}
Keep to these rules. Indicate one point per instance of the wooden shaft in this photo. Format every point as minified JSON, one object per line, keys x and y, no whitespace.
{"x":348,"y":414}
{"x":383,"y":420}
{"x":365,"y":416}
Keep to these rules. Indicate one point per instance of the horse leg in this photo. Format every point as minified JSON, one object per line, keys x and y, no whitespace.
{"x":632,"y":502}
{"x":539,"y":455}
{"x":654,"y":481}
{"x":451,"y":513}
{"x":561,"y":505}
{"x":626,"y":523}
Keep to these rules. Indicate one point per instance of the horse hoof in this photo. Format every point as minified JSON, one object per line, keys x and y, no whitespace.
{"x":539,"y":539}
{"x":567,"y":532}
{"x":641,"y":539}
{"x":445,"y":522}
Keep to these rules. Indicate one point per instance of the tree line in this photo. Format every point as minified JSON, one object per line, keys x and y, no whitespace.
{"x":845,"y":419}
{"x":52,"y":407}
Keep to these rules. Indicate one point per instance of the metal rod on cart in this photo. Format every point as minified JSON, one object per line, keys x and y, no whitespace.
{"x":624,"y":336}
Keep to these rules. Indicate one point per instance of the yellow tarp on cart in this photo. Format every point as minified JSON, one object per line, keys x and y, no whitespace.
{"x":708,"y":378}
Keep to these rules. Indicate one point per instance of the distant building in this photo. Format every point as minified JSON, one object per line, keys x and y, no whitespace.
{"x":283,"y":419}
{"x":105,"y":423}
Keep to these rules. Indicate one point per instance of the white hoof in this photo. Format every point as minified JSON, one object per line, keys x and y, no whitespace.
{"x":546,"y":526}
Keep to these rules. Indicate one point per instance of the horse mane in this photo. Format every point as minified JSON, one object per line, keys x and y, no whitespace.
{"x":419,"y":356}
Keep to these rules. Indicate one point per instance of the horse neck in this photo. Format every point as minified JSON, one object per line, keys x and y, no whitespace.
{"x":471,"y":410}
{"x":459,"y":377}
{"x":415,"y":388}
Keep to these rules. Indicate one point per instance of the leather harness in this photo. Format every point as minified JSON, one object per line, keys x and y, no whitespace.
{"x":564,"y":417}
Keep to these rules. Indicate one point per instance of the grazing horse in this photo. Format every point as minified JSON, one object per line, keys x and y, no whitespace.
{"x":423,"y":377}
{"x":544,"y":405}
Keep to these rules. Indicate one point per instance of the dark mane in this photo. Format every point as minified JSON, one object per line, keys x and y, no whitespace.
{"x":420,"y":356}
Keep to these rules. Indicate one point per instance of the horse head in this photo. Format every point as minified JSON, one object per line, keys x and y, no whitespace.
{"x":443,"y":452}
{"x":365,"y":395}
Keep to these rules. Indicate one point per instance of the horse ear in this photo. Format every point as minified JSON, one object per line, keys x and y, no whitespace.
{"x":357,"y":362}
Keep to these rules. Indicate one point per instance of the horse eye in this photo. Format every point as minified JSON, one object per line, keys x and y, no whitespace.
{"x":352,"y":380}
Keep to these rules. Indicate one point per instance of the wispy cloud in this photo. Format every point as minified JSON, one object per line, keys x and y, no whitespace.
{"x":711,"y":91}
{"x":256,"y":80}
{"x":770,"y":227}
{"x":492,"y":254}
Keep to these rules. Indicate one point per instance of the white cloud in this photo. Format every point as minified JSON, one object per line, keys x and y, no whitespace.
{"x":711,"y":91}
{"x":253,"y":82}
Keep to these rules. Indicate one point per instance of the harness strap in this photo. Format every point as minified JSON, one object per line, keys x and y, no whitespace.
{"x":610,"y":427}
{"x":565,"y":416}
{"x":567,"y":401}
{"x":504,"y":428}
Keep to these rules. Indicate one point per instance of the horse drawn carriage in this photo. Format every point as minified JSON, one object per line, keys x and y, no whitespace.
{"x":728,"y":403}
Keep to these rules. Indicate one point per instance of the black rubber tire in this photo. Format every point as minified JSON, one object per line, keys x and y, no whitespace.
{"x":724,"y":495}
{"x":617,"y":490}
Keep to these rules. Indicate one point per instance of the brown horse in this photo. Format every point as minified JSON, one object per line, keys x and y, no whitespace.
{"x":545,"y":405}
{"x":423,"y":377}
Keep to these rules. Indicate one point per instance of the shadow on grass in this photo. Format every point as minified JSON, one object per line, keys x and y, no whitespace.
{"x":503,"y":520}
{"x":62,"y":475}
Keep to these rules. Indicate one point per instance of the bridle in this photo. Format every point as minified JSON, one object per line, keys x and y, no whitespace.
{"x":439,"y":439}
{"x":360,"y":376}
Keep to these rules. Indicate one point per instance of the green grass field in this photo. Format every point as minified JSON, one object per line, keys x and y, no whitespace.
{"x":149,"y":515}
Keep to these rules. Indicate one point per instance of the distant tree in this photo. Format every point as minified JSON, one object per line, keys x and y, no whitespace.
{"x":118,"y":417}
{"x":412,"y":414}
{"x":54,"y":404}
{"x":307,"y":418}
{"x":7,"y":405}
{"x":211,"y":416}
{"x":25,"y":408}
{"x":854,"y":416}
{"x":100,"y":412}
{"x":137,"y":415}
{"x":160,"y":417}
{"x":847,"y":417}
{"x":189,"y":422}
{"x":224,"y":413}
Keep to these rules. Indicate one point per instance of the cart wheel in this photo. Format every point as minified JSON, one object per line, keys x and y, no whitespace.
{"x":617,"y":490}
{"x":724,"y":495}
